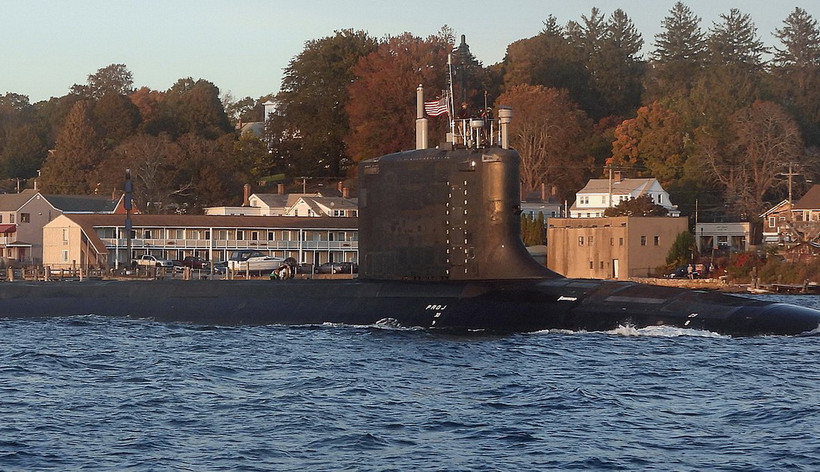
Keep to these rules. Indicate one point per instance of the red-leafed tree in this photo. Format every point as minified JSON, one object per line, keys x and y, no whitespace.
{"x":382,"y":106}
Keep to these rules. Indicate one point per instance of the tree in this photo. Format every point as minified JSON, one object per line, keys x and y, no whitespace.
{"x":639,"y":206}
{"x":654,"y":140}
{"x":796,"y":71}
{"x":618,"y":68}
{"x":763,"y":141}
{"x":548,"y":59}
{"x":114,"y":79}
{"x":382,"y":99}
{"x":546,"y":133}
{"x":313,"y":102}
{"x":23,"y":153}
{"x":191,"y":106}
{"x":72,"y":168}
{"x":679,"y":54}
{"x":152,"y":160}
{"x":116,"y":117}
{"x":735,"y":41}
{"x":682,"y":249}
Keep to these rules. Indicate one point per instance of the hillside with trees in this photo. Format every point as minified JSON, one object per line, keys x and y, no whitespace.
{"x":712,"y":112}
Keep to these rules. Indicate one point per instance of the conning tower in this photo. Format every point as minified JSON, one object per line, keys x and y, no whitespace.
{"x":451,"y":213}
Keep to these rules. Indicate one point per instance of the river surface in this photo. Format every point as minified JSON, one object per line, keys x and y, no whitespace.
{"x":93,"y":393}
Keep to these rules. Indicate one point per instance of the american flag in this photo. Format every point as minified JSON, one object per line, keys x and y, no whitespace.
{"x":436,"y":107}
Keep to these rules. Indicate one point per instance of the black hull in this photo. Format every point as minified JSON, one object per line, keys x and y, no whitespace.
{"x":487,"y":306}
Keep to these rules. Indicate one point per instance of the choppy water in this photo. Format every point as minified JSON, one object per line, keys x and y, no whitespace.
{"x":91,"y":393}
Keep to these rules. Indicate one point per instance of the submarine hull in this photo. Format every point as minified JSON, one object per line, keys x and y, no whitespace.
{"x":499,"y":306}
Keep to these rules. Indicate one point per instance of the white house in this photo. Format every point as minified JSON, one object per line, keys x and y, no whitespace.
{"x":600,"y":194}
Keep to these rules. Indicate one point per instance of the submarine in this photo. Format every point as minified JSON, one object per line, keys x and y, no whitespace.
{"x":440,"y":249}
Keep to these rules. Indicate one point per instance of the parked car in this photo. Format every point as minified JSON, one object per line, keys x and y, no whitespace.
{"x":338,"y":268}
{"x":220,"y":267}
{"x":195,"y":262}
{"x":682,"y":272}
{"x":153,"y":261}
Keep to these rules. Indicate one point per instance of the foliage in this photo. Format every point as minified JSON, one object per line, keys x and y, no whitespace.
{"x":654,"y":141}
{"x":640,"y":206}
{"x":115,"y":79}
{"x":546,"y":132}
{"x":312,"y":119}
{"x":382,"y":103}
{"x":742,"y":264}
{"x":679,"y":54}
{"x":763,"y":140}
{"x":682,"y":250}
{"x":533,"y":229}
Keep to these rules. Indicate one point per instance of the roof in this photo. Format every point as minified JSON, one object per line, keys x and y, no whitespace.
{"x":13,"y":201}
{"x":623,"y":186}
{"x":217,"y":221}
{"x":810,"y":201}
{"x":82,"y":203}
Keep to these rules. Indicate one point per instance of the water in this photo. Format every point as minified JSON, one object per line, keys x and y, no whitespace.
{"x":91,"y":393}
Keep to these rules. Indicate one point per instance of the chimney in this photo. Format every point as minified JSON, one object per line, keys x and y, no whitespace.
{"x":345,"y":192}
{"x":246,"y":196}
{"x":339,"y":186}
{"x":504,"y":119}
{"x":617,"y":176}
{"x":543,"y":192}
{"x":280,"y":189}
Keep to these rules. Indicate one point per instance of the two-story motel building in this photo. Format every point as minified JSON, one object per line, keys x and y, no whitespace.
{"x":100,"y":241}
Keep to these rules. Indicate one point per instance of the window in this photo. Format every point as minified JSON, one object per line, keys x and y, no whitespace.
{"x":611,"y":241}
{"x":660,"y":198}
{"x":602,"y":264}
{"x":580,"y":240}
{"x":772,"y":222}
{"x":643,"y":240}
{"x":271,"y":236}
{"x":25,"y":217}
{"x":146,"y":234}
{"x":254,"y":235}
{"x":1,"y":218}
{"x":591,"y":266}
{"x":240,"y":235}
{"x":620,"y":241}
{"x":65,"y":235}
{"x":65,"y":256}
{"x":657,"y":241}
{"x":590,"y":240}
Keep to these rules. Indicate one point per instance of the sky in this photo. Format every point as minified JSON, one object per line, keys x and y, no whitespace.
{"x":243,"y":47}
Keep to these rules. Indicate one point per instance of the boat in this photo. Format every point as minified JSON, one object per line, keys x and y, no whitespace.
{"x":440,"y":249}
{"x":253,"y":261}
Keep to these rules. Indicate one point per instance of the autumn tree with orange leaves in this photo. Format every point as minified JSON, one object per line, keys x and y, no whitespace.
{"x":652,"y":144}
{"x":382,"y":104}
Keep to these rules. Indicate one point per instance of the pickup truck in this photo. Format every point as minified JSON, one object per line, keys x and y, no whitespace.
{"x":153,"y":261}
{"x":195,"y":262}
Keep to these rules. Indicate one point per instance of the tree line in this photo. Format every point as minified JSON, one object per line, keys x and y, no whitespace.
{"x":713,"y":113}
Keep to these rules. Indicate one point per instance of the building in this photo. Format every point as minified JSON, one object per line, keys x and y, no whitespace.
{"x":100,"y":241}
{"x":727,"y":237}
{"x":600,"y":194}
{"x":611,"y":248}
{"x":23,"y":216}
{"x":330,"y":203}
{"x":776,"y":223}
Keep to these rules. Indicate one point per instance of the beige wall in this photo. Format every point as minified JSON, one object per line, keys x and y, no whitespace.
{"x":604,"y":248}
{"x":65,"y":246}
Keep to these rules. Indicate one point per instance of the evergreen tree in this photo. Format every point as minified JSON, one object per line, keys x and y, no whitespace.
{"x":796,"y":72}
{"x":679,"y":54}
{"x":73,"y":167}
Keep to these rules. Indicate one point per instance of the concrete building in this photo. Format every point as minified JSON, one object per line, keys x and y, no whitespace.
{"x":100,"y":241}
{"x":611,"y":248}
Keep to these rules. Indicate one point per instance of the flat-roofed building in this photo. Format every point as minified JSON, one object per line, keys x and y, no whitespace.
{"x":611,"y":248}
